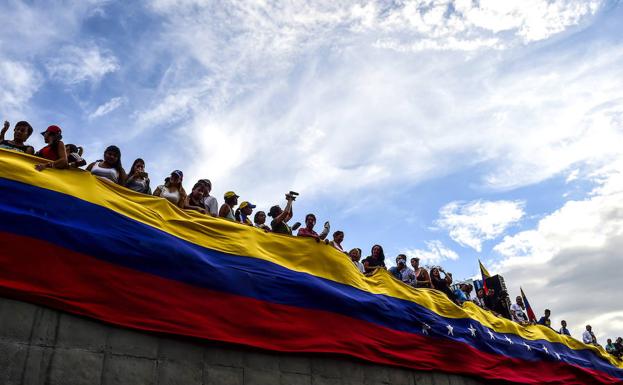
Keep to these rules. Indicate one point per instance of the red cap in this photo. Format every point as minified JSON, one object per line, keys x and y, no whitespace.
{"x":52,"y":130}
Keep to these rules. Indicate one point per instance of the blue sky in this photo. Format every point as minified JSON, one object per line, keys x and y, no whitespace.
{"x":450,"y":130}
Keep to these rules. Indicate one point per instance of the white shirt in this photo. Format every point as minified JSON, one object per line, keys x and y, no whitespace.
{"x":518,"y":313}
{"x":359,"y":266}
{"x":171,"y":196}
{"x":211,"y":205}
{"x":587,"y":337}
{"x":102,"y":172}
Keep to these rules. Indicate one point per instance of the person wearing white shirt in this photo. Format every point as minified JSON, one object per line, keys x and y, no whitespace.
{"x":209,"y":202}
{"x":588,"y":337}
{"x":355,"y":256}
{"x":517,"y":312}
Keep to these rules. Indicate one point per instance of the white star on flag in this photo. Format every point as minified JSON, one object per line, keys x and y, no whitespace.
{"x":557,"y":355}
{"x":527,"y":346}
{"x":425,"y":328}
{"x":491,"y":334}
{"x":450,"y":330}
{"x":545,"y":349}
{"x":472,"y":330}
{"x":509,"y":340}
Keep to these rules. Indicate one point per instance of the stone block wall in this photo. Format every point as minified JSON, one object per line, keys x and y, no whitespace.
{"x":40,"y":346}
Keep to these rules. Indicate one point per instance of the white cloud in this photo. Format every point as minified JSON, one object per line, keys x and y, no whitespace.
{"x":23,"y":47}
{"x":18,"y":82}
{"x":435,"y":253}
{"x":108,"y":107}
{"x":51,"y":24}
{"x":571,"y":262}
{"x":311,"y":80}
{"x":472,"y":223}
{"x":573,"y":175}
{"x":78,"y":64}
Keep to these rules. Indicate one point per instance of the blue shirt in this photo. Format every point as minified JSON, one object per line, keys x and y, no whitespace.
{"x":460,"y":295}
{"x":406,"y":275}
{"x":545,"y":321}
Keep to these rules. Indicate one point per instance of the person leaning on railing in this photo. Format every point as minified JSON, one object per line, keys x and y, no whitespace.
{"x":74,"y":156}
{"x":227,"y":209}
{"x":338,"y":238}
{"x":422,"y":278}
{"x":308,"y":230}
{"x":138,"y":179}
{"x":375,"y":260}
{"x":355,"y":256}
{"x":401,"y":271}
{"x":172,"y":189}
{"x":21,"y":133}
{"x":209,"y":202}
{"x":194,"y":200}
{"x":244,"y":212}
{"x":260,"y":221}
{"x":54,"y":151}
{"x":110,"y":167}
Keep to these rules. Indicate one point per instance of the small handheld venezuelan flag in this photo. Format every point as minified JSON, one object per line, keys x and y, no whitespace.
{"x":485,"y":274}
{"x":529,"y":310}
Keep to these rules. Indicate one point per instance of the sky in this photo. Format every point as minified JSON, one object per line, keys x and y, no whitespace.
{"x":449,"y":130}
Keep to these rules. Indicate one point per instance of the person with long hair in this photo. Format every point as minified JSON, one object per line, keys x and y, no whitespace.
{"x":110,"y":167}
{"x":74,"y":156}
{"x":138,"y":179}
{"x":194,"y":200}
{"x":375,"y":260}
{"x":54,"y":151}
{"x":442,"y":284}
{"x":21,"y":133}
{"x":172,"y":189}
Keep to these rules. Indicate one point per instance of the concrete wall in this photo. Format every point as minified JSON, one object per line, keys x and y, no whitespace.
{"x":40,"y":346}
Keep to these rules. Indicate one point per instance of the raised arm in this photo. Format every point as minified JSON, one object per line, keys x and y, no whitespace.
{"x":286,"y":214}
{"x":5,"y":128}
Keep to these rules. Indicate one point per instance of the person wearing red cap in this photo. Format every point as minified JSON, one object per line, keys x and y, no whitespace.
{"x":172,"y":189}
{"x":55,"y":150}
{"x":21,"y":133}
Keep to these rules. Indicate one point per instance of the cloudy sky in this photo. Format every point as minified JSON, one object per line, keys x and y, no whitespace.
{"x":450,"y":130}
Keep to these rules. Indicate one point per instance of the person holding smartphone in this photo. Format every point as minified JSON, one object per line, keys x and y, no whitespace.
{"x":138,"y":179}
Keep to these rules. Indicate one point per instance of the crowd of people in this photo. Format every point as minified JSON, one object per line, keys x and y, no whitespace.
{"x":58,"y":155}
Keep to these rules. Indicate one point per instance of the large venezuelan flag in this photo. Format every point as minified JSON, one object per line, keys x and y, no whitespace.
{"x":73,"y":242}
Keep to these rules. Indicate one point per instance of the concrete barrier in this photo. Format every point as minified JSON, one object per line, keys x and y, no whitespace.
{"x":41,"y":346}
